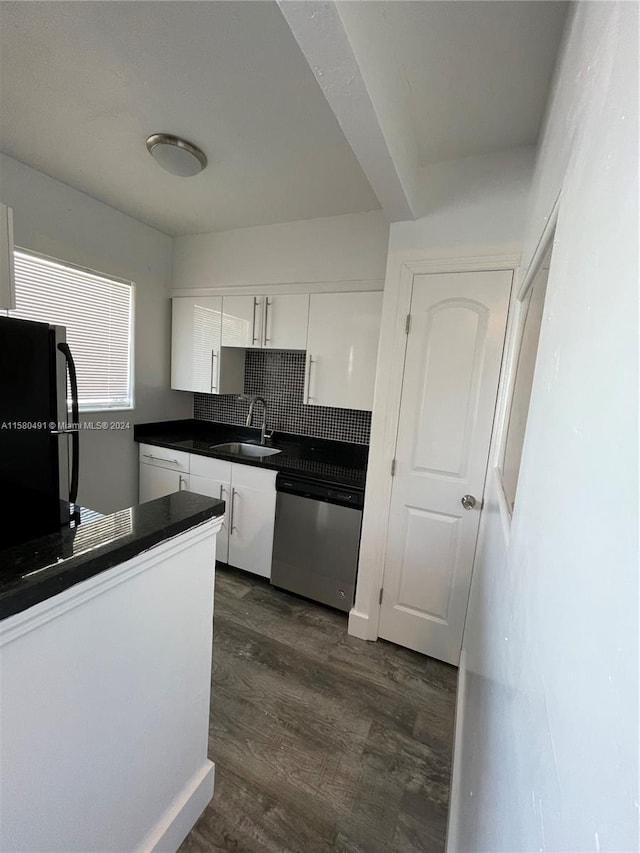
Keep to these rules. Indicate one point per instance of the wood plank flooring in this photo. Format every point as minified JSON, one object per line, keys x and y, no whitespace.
{"x":322,"y":742}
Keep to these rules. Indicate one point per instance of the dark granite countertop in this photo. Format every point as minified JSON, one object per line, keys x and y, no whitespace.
{"x":37,"y":570}
{"x":334,"y":462}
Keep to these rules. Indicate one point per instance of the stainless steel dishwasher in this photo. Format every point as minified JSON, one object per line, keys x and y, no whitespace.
{"x":316,"y":540}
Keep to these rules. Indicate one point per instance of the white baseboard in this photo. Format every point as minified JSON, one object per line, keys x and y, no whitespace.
{"x":179,"y":819}
{"x":453,"y":821}
{"x":360,"y":626}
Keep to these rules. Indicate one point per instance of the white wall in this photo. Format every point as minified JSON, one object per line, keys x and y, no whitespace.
{"x":473,"y":207}
{"x":52,"y":218}
{"x":547,"y":749}
{"x":333,"y":248}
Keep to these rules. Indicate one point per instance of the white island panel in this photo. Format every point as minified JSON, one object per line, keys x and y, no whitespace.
{"x":105,"y":706}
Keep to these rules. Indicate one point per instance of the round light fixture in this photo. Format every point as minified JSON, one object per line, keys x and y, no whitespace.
{"x":176,"y":155}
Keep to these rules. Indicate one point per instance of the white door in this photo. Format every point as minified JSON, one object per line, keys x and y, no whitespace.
{"x":215,"y":489}
{"x":156,"y":482}
{"x":196,"y":324}
{"x":285,"y":321}
{"x":342,"y":349}
{"x":452,"y":366}
{"x":242,"y":321}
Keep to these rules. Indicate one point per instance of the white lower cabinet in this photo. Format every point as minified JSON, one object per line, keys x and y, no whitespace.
{"x":252,"y":513}
{"x":212,"y":477}
{"x":215,"y":489}
{"x":157,"y":482}
{"x":246,"y":539}
{"x":162,"y":472}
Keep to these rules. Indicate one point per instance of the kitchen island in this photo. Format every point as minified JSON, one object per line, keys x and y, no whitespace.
{"x":105,"y":665}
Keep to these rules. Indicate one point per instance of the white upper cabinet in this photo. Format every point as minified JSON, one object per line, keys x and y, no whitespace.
{"x":210,"y":336}
{"x":275,"y":322}
{"x":342,"y":349}
{"x":196,"y":324}
{"x":7,"y":281}
{"x":197,"y":361}
{"x":285,"y":323}
{"x":242,"y":324}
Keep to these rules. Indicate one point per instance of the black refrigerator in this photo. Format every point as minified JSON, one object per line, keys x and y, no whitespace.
{"x":39,"y":438}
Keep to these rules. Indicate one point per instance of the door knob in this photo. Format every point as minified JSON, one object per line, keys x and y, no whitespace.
{"x":468,"y":501}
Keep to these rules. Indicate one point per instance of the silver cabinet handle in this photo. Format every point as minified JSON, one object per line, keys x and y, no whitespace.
{"x":233,"y":500}
{"x":307,"y":384}
{"x":267,"y":340}
{"x":161,"y":458}
{"x":254,"y":337}
{"x":468,"y":501}
{"x":214,"y":386}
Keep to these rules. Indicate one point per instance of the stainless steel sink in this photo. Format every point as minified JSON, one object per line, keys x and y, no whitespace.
{"x":238,"y":448}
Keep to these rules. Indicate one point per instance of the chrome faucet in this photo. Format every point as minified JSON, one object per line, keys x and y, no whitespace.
{"x":263,"y":429}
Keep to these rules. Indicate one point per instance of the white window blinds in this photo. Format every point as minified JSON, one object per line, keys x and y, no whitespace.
{"x":97,"y":313}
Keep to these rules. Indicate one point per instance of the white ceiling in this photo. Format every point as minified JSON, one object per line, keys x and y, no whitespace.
{"x":83,"y":84}
{"x":473,"y":76}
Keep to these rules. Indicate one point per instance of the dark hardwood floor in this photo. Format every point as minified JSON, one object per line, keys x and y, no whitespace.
{"x":322,"y":742}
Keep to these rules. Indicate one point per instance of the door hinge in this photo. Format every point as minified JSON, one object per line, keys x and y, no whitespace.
{"x":380,"y":597}
{"x":393,"y":467}
{"x":407,"y":325}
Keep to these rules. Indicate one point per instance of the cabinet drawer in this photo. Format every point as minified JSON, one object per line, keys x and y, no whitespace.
{"x":164,"y":457}
{"x":213,"y":469}
{"x":253,"y":478}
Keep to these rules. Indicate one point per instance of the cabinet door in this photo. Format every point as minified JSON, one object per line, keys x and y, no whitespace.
{"x":242,"y":321}
{"x":342,"y":349}
{"x":286,"y":319}
{"x":156,"y":482}
{"x":251,"y":519}
{"x":7,"y":281}
{"x":215,"y":489}
{"x":196,"y":326}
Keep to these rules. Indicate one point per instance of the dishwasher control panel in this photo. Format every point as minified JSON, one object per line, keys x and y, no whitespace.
{"x":317,"y":491}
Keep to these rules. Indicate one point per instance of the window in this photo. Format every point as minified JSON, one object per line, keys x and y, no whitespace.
{"x":531,"y":311}
{"x":98,"y":314}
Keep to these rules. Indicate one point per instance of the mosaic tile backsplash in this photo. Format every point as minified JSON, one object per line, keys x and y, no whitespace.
{"x":278,"y":376}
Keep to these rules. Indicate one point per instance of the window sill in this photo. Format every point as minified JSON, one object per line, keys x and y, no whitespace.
{"x":106,"y":411}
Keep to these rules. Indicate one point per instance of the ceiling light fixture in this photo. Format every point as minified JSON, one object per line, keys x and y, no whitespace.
{"x":176,"y":155}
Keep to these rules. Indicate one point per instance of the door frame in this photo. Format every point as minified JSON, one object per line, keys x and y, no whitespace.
{"x":401,"y":271}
